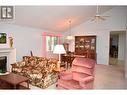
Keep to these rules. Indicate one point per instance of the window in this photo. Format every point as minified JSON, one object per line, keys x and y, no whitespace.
{"x":51,"y":41}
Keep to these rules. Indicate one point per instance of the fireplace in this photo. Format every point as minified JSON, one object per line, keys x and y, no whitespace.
{"x":9,"y":54}
{"x":3,"y":64}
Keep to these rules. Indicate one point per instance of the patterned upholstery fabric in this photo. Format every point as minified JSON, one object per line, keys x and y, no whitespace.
{"x":39,"y":70}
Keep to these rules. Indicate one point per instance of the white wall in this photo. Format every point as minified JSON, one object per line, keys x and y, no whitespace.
{"x":126,"y":56}
{"x":25,"y":39}
{"x":125,"y":60}
{"x":116,"y":21}
{"x":121,"y":46}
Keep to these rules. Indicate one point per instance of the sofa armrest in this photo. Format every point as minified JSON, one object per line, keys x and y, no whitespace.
{"x":18,"y":64}
{"x":14,"y":65}
{"x":86,"y":80}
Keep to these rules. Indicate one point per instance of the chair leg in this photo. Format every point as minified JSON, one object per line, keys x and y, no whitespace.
{"x":66,"y":65}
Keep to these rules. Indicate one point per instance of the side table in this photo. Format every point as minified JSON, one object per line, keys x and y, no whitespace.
{"x":13,"y":81}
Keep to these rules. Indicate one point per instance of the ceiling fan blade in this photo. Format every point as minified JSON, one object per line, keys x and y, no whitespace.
{"x":102,"y":18}
{"x":98,"y":17}
{"x":93,"y":19}
{"x":105,"y":16}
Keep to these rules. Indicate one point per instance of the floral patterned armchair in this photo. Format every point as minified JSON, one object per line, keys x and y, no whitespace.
{"x":39,"y":70}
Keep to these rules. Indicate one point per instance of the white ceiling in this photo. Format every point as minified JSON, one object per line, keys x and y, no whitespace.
{"x":54,"y":18}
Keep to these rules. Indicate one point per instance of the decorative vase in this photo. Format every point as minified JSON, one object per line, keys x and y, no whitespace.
{"x":11,"y":42}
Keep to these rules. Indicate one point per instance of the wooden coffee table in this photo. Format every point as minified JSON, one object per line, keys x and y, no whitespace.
{"x":13,"y":81}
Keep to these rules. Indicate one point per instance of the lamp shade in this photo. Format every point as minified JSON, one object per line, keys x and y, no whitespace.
{"x":59,"y":49}
{"x":70,"y":37}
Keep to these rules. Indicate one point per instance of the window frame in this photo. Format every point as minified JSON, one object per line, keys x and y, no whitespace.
{"x":50,"y":42}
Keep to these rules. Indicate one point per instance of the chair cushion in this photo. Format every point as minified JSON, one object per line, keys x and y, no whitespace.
{"x":66,"y":75}
{"x":85,"y":62}
{"x":79,"y":76}
{"x":81,"y":69}
{"x":69,"y":84}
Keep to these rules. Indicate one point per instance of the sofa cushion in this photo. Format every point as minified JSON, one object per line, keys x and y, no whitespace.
{"x":20,"y":64}
{"x":86,"y":62}
{"x":37,"y":69}
{"x":26,"y":59}
{"x":41,"y":63}
{"x":33,"y":63}
{"x":53,"y":60}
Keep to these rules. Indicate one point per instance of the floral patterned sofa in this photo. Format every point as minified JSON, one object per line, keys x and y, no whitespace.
{"x":39,"y":70}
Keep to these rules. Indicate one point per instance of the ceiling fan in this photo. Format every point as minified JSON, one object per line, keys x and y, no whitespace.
{"x":98,"y":16}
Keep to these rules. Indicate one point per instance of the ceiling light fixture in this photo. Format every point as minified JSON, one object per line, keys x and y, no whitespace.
{"x":70,"y":37}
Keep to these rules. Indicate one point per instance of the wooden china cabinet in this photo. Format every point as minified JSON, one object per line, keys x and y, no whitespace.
{"x":86,"y":46}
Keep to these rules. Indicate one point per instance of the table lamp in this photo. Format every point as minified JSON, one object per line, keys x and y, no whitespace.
{"x":59,"y":49}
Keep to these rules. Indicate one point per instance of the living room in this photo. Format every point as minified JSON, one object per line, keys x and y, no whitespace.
{"x":26,"y":33}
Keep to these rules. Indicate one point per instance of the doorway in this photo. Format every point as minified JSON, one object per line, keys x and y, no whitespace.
{"x":117,"y":47}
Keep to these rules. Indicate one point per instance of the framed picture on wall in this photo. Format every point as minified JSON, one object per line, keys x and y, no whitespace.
{"x":3,"y":38}
{"x":6,"y":12}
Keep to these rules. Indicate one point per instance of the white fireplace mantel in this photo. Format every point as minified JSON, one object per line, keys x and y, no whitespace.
{"x":11,"y":56}
{"x":6,"y":50}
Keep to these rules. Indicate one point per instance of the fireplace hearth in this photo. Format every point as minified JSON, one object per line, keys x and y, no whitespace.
{"x":3,"y":64}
